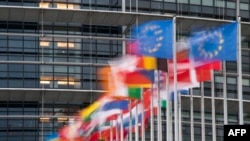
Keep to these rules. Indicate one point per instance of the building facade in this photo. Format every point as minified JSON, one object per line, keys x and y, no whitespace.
{"x":50,"y":52}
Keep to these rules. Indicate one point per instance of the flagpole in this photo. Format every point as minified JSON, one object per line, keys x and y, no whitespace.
{"x":111,"y":132}
{"x":191,"y":115}
{"x":143,"y":116}
{"x":136,"y":122}
{"x":151,"y":115}
{"x":241,"y":119}
{"x":130,"y":121}
{"x":116,"y":131}
{"x":202,"y":113}
{"x":121,"y":127}
{"x":213,"y":107}
{"x":168,"y":110}
{"x":159,"y":121}
{"x":179,"y":109}
{"x":176,"y":134}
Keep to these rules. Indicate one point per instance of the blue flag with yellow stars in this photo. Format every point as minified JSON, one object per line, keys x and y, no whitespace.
{"x":154,"y":38}
{"x":218,"y":43}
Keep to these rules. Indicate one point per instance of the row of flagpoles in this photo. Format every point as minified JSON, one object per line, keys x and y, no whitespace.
{"x":155,"y":70}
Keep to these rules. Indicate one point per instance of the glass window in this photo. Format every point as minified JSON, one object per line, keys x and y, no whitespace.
{"x":220,"y":3}
{"x":207,"y":2}
{"x":3,"y":67}
{"x":31,"y":68}
{"x":195,"y":9}
{"x":231,"y":5}
{"x":231,"y":80}
{"x":245,"y":82}
{"x":15,"y":43}
{"x":169,"y":0}
{"x":30,"y":83}
{"x":3,"y":43}
{"x":60,"y":68}
{"x":15,"y":83}
{"x":195,"y":2}
{"x":218,"y":79}
{"x":244,"y":6}
{"x":3,"y":123}
{"x":182,"y":1}
{"x":29,"y":44}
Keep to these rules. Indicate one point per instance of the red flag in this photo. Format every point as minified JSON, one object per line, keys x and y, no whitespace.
{"x":140,"y":78}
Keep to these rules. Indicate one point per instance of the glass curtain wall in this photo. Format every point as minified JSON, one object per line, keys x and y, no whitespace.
{"x":31,"y":61}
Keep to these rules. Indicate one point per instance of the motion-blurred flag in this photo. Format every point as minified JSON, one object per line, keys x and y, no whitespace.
{"x":139,"y":78}
{"x":218,"y":43}
{"x":153,"y":38}
{"x":121,"y":104}
{"x":52,"y":137}
{"x":152,"y":63}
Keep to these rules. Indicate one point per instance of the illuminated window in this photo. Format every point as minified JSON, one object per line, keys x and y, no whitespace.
{"x":61,"y":5}
{"x":65,"y":45}
{"x":62,"y":44}
{"x":62,"y":119}
{"x":44,"y":82}
{"x":71,"y":45}
{"x":44,"y":119}
{"x":44,"y":4}
{"x":44,"y":43}
{"x":71,"y":6}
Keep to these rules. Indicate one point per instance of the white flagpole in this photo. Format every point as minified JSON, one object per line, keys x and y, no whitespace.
{"x":136,"y":122}
{"x":176,"y":134}
{"x":116,"y":131}
{"x":213,"y":107}
{"x":111,"y":132}
{"x":130,"y":121}
{"x":143,"y":117}
{"x":159,"y":121}
{"x":151,"y":115}
{"x":121,"y":127}
{"x":239,"y":86}
{"x":168,"y":111}
{"x":179,"y":109}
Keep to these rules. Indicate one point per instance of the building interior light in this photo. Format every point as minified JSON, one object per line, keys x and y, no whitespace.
{"x":62,"y":44}
{"x":44,"y":43}
{"x":44,"y":82}
{"x":65,"y":82}
{"x":61,"y":5}
{"x":71,"y":45}
{"x":62,"y":82}
{"x":44,"y":119}
{"x":65,"y":45}
{"x":71,"y":83}
{"x":62,"y":119}
{"x":44,"y":4}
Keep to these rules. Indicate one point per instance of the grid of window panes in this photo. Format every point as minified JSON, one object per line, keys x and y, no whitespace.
{"x":60,"y":52}
{"x":206,"y":8}
{"x":23,"y":121}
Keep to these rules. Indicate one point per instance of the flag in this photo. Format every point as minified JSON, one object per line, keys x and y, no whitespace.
{"x":183,"y":92}
{"x":86,"y":113}
{"x":154,"y":38}
{"x":152,"y":63}
{"x":217,"y":43}
{"x":52,"y":137}
{"x":135,"y":92}
{"x":115,"y":104}
{"x":138,"y":78}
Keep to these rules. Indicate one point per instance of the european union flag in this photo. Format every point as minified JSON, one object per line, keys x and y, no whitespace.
{"x":154,"y":38}
{"x":218,"y":43}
